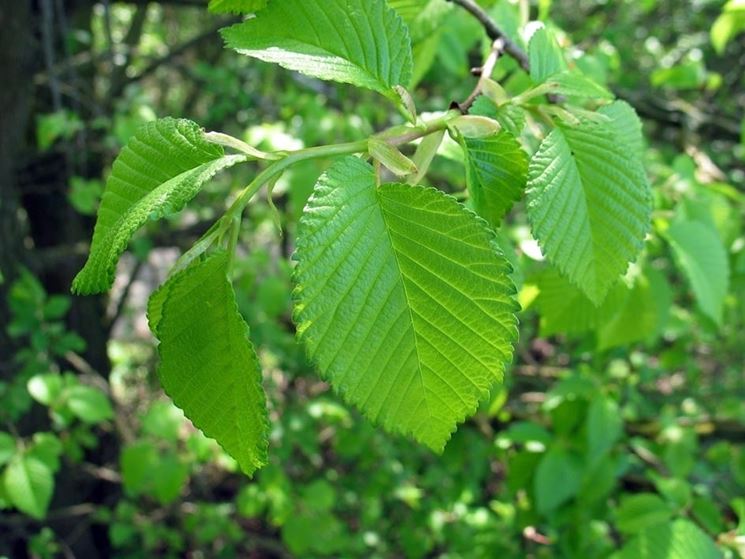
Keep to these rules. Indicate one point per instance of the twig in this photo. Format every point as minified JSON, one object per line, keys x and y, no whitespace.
{"x":114,"y":316}
{"x":487,"y":69}
{"x":494,"y":32}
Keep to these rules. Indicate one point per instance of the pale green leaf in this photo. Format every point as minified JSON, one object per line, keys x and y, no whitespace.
{"x":546,"y":58}
{"x":496,"y":174}
{"x":589,"y":204}
{"x":361,"y":42}
{"x":236,"y":6}
{"x":162,"y":167}
{"x":680,"y":539}
{"x":29,"y":484}
{"x":390,"y":156}
{"x":703,"y":259}
{"x":475,"y":126}
{"x":208,"y":365}
{"x":403,"y":301}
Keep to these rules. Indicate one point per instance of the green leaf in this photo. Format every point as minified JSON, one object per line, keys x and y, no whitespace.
{"x":703,"y":259}
{"x":729,"y":24}
{"x":236,"y":6}
{"x":589,"y":204}
{"x":137,"y":462}
{"x":604,"y":427}
{"x":409,"y":10}
{"x":626,"y":125}
{"x":637,"y":319}
{"x":638,"y":512}
{"x":546,"y":58}
{"x":572,"y":83}
{"x":403,"y":300}
{"x":162,"y":167}
{"x":680,"y":539}
{"x":7,"y":447}
{"x":29,"y":484}
{"x":496,"y":174}
{"x":208,"y":365}
{"x":361,"y":42}
{"x":45,"y":388}
{"x":88,"y":404}
{"x":557,"y":479}
{"x":565,"y":309}
{"x":511,"y":117}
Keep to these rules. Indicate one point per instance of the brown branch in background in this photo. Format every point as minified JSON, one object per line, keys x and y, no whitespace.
{"x":131,"y":40}
{"x":180,"y":49}
{"x":494,"y":32}
{"x":120,"y":304}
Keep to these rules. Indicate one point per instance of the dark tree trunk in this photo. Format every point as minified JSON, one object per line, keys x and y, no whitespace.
{"x":16,"y":50}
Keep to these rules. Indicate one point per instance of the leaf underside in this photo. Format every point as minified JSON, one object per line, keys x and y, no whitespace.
{"x":162,"y":167}
{"x":403,"y":301}
{"x":589,"y":203}
{"x":208,"y":365}
{"x":361,"y":42}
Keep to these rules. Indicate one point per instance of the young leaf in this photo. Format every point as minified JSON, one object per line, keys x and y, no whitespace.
{"x":475,"y":126}
{"x":236,"y":6}
{"x":546,"y":58}
{"x":208,"y":365}
{"x":589,"y":203}
{"x":162,"y":167}
{"x":390,"y":157}
{"x":29,"y":484}
{"x":496,"y":174}
{"x":403,"y":301}
{"x":361,"y":42}
{"x":703,"y":259}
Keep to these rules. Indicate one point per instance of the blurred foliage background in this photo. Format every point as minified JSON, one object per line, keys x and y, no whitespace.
{"x":610,"y":436}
